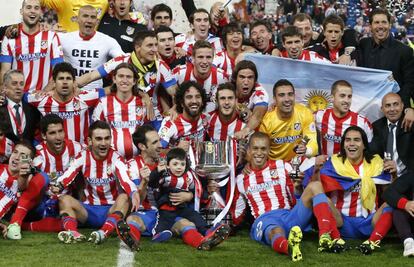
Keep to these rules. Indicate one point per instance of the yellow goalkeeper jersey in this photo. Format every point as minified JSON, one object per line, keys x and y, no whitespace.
{"x":285,"y":134}
{"x":67,"y":10}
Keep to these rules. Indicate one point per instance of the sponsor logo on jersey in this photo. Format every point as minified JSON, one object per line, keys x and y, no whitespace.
{"x":31,"y":57}
{"x":286,"y":139}
{"x":332,"y":138}
{"x":100,"y":181}
{"x":8,"y":192}
{"x":262,"y":187}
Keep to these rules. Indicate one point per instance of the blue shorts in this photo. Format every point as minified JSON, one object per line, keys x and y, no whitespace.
{"x":97,"y":215}
{"x":149,"y":217}
{"x":285,"y":219}
{"x":356,"y":227}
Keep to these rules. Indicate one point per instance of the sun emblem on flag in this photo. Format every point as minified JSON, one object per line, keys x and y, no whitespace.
{"x":318,"y":100}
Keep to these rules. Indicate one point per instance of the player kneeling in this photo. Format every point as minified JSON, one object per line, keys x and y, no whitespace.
{"x":270,"y":194}
{"x":102,"y":169}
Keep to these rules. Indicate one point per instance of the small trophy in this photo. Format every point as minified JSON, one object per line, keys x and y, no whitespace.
{"x":296,"y":161}
{"x":243,"y":111}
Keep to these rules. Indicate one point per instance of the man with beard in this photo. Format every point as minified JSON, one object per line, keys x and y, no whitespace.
{"x":103,"y":171}
{"x":289,"y":123}
{"x":293,"y":44}
{"x":143,"y":221}
{"x":252,"y":98}
{"x":87,"y":49}
{"x":190,"y":126}
{"x":33,"y":52}
{"x":202,"y":71}
{"x":332,"y":122}
{"x":200,"y":25}
{"x":382,"y":51}
{"x":333,"y":48}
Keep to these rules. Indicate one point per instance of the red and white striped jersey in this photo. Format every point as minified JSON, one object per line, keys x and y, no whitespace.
{"x":187,"y":42}
{"x":184,"y":182}
{"x":349,"y":202}
{"x":268,"y":189}
{"x":220,"y":130}
{"x":55,"y":165}
{"x":162,"y":75}
{"x":75,"y":112}
{"x":8,"y":190}
{"x":332,"y":128}
{"x":217,"y":76}
{"x":308,"y":56}
{"x":101,"y":177}
{"x":134,"y":165}
{"x":259,"y":97}
{"x":171,"y":132}
{"x":6,"y":149}
{"x":223,"y":61}
{"x":124,"y":117}
{"x":34,"y":55}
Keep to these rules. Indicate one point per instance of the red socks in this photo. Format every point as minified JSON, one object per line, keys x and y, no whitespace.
{"x":69,"y":223}
{"x":48,"y":224}
{"x":134,"y":230}
{"x":382,"y":226}
{"x":110,"y":223}
{"x":191,"y":236}
{"x":280,"y":244}
{"x":29,"y":198}
{"x":322,"y":213}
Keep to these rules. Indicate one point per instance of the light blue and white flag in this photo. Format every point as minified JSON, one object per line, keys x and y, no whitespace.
{"x":313,"y":81}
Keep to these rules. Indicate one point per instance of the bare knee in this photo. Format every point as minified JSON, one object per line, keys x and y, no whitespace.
{"x":275,"y":231}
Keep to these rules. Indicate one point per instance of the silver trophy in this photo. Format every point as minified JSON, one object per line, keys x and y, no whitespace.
{"x":296,"y":161}
{"x":212,"y":162}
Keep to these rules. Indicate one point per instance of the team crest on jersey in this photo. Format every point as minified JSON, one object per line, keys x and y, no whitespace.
{"x":130,"y":30}
{"x":139,"y":111}
{"x":164,"y":132}
{"x":76,"y":104}
{"x":43,"y":44}
{"x":297,"y":126}
{"x":273,"y":174}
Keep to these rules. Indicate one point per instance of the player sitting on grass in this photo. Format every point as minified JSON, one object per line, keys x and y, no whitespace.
{"x":21,"y":184}
{"x":173,"y":178}
{"x":350,"y":179}
{"x":270,"y":194}
{"x":103,"y":171}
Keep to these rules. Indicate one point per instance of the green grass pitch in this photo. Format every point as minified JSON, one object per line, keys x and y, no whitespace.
{"x":40,"y":249}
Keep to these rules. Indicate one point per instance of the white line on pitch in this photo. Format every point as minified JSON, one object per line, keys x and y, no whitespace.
{"x":125,"y":256}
